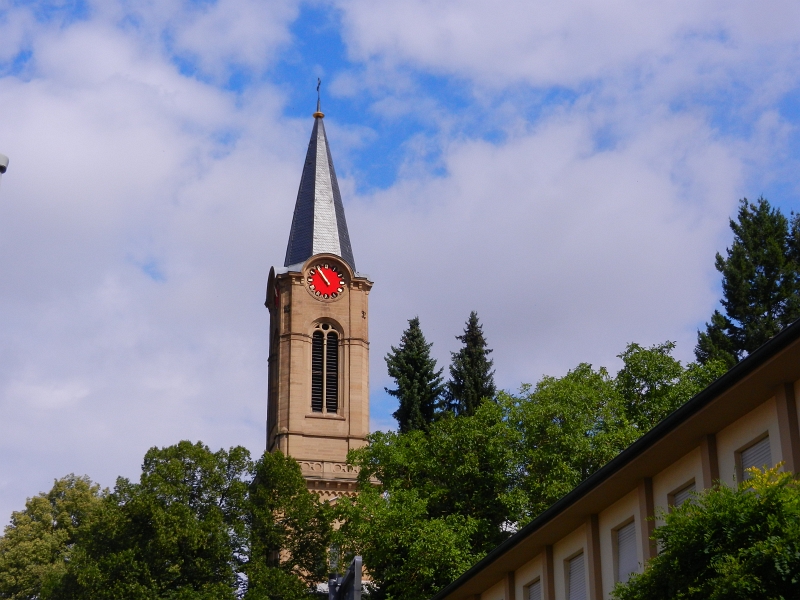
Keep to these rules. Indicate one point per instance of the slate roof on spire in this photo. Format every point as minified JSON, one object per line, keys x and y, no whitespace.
{"x":318,"y":224}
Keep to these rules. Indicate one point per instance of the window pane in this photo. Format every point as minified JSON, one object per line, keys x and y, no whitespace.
{"x":535,"y":591}
{"x":757,"y":455}
{"x":577,"y":579}
{"x":332,"y":374}
{"x":627,"y":561}
{"x":683,"y":495}
{"x":316,"y":371}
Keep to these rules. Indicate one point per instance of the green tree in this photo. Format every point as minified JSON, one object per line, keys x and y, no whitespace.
{"x":419,"y":383}
{"x":760,"y":284}
{"x":568,"y":428}
{"x":471,"y":374}
{"x":653,"y":383}
{"x":177,"y":533}
{"x":430,"y":504}
{"x":37,"y":545}
{"x":289,"y":532}
{"x":409,"y":555}
{"x":571,"y":426}
{"x":202,"y":525}
{"x":728,"y":543}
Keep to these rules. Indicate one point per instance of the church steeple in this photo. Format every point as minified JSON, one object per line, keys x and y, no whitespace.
{"x":318,"y":225}
{"x":318,"y":396}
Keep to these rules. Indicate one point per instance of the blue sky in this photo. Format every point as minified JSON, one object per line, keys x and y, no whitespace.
{"x":565,"y":169}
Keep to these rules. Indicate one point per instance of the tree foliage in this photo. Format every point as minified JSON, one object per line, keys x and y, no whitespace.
{"x":289,"y":532}
{"x":452,"y":493}
{"x":198,"y":525}
{"x":175,"y":534}
{"x":728,"y":543}
{"x":433,"y":499}
{"x":760,"y":284}
{"x":419,"y":383}
{"x":571,"y":426}
{"x":653,"y":383}
{"x":37,"y":545}
{"x":471,"y":375}
{"x":430,"y":504}
{"x":568,"y":428}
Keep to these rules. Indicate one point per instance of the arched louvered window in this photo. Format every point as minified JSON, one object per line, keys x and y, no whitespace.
{"x":317,"y":370}
{"x":324,"y":369}
{"x":332,"y":373}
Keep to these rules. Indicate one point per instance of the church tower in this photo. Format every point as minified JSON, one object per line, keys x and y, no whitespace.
{"x":318,"y":397}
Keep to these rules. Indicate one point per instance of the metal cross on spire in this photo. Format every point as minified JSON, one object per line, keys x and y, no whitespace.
{"x":318,"y":114}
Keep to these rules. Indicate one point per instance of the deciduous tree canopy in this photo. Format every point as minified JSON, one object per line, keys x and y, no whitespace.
{"x":197,"y":525}
{"x":432,"y":503}
{"x":38,"y":543}
{"x":727,"y":543}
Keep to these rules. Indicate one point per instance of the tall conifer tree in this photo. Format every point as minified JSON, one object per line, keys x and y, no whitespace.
{"x":471,"y":374}
{"x":760,"y":284}
{"x":419,"y":383}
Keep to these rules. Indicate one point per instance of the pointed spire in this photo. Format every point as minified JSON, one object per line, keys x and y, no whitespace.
{"x":318,"y":224}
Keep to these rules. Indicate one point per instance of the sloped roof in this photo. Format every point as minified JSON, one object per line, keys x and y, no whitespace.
{"x":318,"y":224}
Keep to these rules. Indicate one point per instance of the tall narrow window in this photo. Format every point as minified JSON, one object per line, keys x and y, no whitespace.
{"x":332,"y":372}
{"x":535,"y":590}
{"x":683,"y":495}
{"x":576,"y":579}
{"x":317,"y":370}
{"x":627,"y":561}
{"x":758,"y":455}
{"x":324,"y":369}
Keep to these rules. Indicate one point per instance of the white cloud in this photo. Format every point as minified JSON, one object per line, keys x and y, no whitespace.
{"x":580,"y":244}
{"x":567,"y":253}
{"x":134,"y":245}
{"x":244,"y":33}
{"x":557,"y":43}
{"x":42,"y":396}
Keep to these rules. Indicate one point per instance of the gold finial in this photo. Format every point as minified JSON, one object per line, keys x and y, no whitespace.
{"x":318,"y":114}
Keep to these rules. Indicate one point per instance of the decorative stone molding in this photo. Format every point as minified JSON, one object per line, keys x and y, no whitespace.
{"x":311,"y":466}
{"x":329,"y":491}
{"x":323,"y":468}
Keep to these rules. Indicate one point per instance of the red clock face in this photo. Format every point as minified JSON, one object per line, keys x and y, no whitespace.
{"x":325,"y":281}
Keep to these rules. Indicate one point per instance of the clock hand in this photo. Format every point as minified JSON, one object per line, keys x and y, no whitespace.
{"x":325,"y":279}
